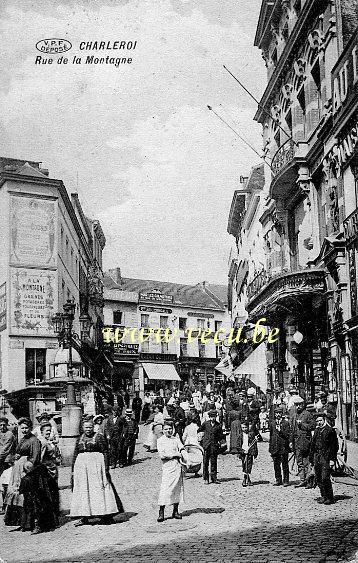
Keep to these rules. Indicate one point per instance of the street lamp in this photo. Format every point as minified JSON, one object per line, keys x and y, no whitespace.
{"x":71,"y":412}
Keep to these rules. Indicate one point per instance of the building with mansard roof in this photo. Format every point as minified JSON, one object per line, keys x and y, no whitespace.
{"x":144,"y":304}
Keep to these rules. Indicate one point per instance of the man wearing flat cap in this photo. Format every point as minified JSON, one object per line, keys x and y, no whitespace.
{"x":324,"y":448}
{"x":302,"y":427}
{"x":212,"y":437}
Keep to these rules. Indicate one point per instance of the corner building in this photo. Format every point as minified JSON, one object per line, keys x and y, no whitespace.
{"x":50,"y":253}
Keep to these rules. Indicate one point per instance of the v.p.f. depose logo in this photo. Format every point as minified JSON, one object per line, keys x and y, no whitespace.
{"x":53,"y":46}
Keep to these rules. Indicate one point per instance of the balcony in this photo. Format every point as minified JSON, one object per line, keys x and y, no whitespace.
{"x":289,"y":170}
{"x":266,"y":291}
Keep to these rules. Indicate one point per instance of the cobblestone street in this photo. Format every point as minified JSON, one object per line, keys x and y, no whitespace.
{"x":223,"y":521}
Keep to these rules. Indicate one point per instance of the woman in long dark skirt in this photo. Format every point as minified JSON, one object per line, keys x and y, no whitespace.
{"x":28,"y":449}
{"x":51,"y":459}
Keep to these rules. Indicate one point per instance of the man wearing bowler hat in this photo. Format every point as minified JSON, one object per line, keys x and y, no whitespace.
{"x":212,"y":437}
{"x":324,"y":448}
{"x":279,"y":447}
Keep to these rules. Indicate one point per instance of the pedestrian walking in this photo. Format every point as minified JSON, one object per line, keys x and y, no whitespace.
{"x":130,"y":435}
{"x":301,"y":435}
{"x":247,"y":452}
{"x":137,"y":406}
{"x":212,"y":437}
{"x":93,"y":492}
{"x":172,"y":485}
{"x":279,"y":447}
{"x":324,"y":448}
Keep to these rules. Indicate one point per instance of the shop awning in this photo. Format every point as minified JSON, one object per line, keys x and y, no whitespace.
{"x":255,"y":367}
{"x":165,"y":372}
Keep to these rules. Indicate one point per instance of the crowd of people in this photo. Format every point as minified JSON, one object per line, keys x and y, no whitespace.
{"x":189,"y":429}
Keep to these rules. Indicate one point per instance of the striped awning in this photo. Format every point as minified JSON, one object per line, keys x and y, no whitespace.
{"x":165,"y":372}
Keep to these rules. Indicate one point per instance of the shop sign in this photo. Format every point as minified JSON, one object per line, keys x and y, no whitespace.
{"x":155,"y":310}
{"x":341,"y":153}
{"x":126,"y":349}
{"x":3,"y":306}
{"x":155,"y":295}
{"x":201,"y":315}
{"x":345,"y":78}
{"x":32,"y":231}
{"x":33,"y":301}
{"x":16,"y":344}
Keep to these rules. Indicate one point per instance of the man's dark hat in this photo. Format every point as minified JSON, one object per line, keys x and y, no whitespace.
{"x":212,"y":412}
{"x":4,"y":419}
{"x":43,"y":416}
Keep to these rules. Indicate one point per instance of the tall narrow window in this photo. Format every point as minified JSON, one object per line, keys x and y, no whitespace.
{"x":117,"y":317}
{"x":183,"y":347}
{"x":144,"y":321}
{"x":316,"y":75}
{"x":163,"y":322}
{"x":35,"y":365}
{"x":202,"y":352}
{"x":164,"y":347}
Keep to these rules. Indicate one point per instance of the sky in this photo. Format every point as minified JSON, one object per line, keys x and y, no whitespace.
{"x":138,"y":143}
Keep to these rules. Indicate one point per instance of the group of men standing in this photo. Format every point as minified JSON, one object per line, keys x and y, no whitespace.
{"x":312,"y":438}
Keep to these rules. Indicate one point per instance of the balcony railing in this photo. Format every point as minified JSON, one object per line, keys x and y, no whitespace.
{"x":283,"y":156}
{"x":258,"y":283}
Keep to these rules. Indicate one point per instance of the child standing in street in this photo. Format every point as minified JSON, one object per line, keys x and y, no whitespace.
{"x":247,"y":452}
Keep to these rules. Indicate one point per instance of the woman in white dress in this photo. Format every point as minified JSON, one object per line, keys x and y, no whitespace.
{"x":93,"y":492}
{"x":172,"y":486}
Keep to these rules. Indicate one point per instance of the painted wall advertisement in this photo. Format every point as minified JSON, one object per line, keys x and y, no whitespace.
{"x":3,"y":306}
{"x":33,"y":236}
{"x":33,"y":301}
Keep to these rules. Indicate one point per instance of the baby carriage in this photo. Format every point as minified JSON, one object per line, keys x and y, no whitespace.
{"x":192,"y":458}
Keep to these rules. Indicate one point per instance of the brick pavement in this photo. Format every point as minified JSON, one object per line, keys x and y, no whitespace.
{"x":225,"y":521}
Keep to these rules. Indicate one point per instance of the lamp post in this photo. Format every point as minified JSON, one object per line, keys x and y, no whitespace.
{"x":71,"y":412}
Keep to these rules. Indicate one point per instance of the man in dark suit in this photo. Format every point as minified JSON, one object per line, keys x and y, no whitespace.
{"x":279,"y":447}
{"x":213,"y":434}
{"x":137,"y":406}
{"x":302,"y":427}
{"x":324,"y":448}
{"x":113,"y":429}
{"x":179,"y":418}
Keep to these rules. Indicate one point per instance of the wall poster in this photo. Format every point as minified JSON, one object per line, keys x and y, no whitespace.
{"x":32,"y":231}
{"x":33,"y":301}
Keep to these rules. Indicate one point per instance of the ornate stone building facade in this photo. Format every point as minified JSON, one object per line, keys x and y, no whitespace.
{"x":308,"y":284}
